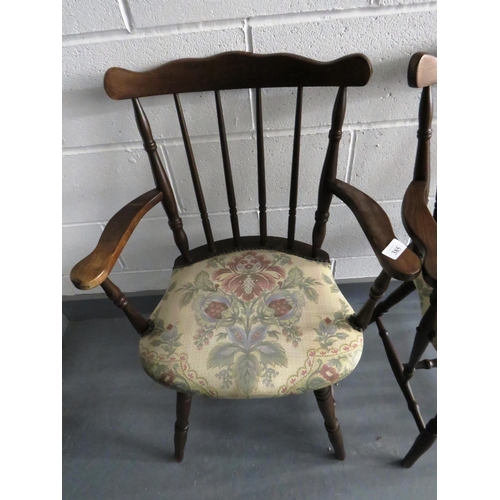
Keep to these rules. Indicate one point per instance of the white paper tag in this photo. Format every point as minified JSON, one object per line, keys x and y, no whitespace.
{"x":394,"y":249}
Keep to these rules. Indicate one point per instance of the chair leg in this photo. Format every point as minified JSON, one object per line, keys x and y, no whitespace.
{"x":181,"y":425}
{"x":425,"y":329}
{"x":400,"y":293}
{"x":326,"y":404}
{"x":362,"y":318}
{"x":423,"y":442}
{"x":397,"y":370}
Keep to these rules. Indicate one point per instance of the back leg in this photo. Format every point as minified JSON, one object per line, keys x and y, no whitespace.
{"x":397,"y":370}
{"x":326,"y":404}
{"x":423,"y":442}
{"x":425,"y":331}
{"x":181,"y":425}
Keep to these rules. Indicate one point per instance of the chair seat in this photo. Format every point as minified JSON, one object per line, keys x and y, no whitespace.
{"x":251,"y":324}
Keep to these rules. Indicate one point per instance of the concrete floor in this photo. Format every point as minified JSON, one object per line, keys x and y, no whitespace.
{"x":118,"y":428}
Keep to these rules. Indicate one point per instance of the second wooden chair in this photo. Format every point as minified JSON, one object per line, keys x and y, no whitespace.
{"x":421,"y":226}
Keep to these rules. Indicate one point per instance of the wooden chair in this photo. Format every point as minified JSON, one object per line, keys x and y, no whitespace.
{"x":421,"y":226}
{"x":249,"y":316}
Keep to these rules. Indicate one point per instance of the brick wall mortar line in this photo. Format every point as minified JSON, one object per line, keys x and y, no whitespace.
{"x":350,"y":157}
{"x":151,"y":32}
{"x":327,"y":15}
{"x":256,"y":21}
{"x":126,"y":15}
{"x":200,"y":139}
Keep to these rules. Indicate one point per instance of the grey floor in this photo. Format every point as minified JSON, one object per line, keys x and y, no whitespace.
{"x":118,"y":427}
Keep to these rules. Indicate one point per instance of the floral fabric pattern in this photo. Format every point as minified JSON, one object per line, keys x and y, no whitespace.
{"x":424,"y":295}
{"x":251,"y":324}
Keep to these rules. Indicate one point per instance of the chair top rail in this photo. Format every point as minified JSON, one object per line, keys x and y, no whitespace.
{"x":237,"y":70}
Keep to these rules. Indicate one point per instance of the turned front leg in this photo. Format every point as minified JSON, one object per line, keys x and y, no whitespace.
{"x":141,"y":325}
{"x":361,"y":320}
{"x":183,"y":408}
{"x":326,"y":404}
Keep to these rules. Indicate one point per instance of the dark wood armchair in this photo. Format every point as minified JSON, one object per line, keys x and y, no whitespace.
{"x":421,"y":226}
{"x":249,"y":316}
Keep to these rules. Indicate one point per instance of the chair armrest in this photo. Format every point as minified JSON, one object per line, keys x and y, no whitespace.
{"x":378,"y":229}
{"x":421,"y":227}
{"x":95,"y":268}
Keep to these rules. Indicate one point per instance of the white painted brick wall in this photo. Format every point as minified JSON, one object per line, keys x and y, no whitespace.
{"x":104,"y":166}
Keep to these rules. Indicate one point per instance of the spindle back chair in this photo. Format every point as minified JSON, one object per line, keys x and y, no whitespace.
{"x":421,"y":226}
{"x":282,"y":273}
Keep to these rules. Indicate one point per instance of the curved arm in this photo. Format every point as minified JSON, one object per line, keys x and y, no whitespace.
{"x":421,"y":227}
{"x":95,"y":268}
{"x":378,"y":229}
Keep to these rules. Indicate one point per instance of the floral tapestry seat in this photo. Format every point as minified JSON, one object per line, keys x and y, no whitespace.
{"x":251,"y":324}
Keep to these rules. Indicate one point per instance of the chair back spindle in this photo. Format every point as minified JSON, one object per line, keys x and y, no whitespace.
{"x":233,"y":71}
{"x":161,"y":180}
{"x":231,"y":199}
{"x":329,"y":172}
{"x":294,"y":182}
{"x":422,"y":74}
{"x":261,"y":170}
{"x":200,"y":199}
{"x":424,"y":134}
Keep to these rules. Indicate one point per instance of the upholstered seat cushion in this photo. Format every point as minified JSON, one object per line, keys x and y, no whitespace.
{"x":251,"y":324}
